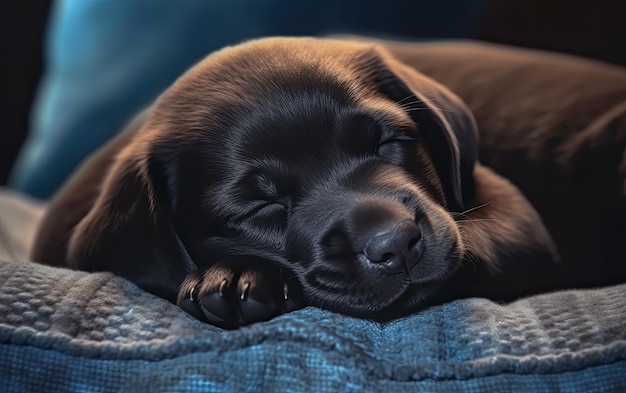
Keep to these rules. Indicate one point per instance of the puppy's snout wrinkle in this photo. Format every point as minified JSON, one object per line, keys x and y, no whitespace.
{"x":384,"y":233}
{"x":396,"y":248}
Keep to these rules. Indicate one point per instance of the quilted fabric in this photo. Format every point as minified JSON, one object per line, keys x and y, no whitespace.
{"x":63,"y":330}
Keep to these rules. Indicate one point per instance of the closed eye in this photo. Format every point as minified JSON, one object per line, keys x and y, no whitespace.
{"x":399,"y":138}
{"x":386,"y":146}
{"x":264,"y":208}
{"x":267,"y":216}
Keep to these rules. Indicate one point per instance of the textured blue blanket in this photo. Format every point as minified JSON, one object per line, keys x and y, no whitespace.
{"x":64,"y":330}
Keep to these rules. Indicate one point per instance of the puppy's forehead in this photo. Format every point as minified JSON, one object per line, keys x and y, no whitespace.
{"x":282,"y":55}
{"x":225,"y":85}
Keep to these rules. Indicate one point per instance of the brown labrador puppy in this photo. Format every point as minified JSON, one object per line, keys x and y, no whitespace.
{"x":289,"y":172}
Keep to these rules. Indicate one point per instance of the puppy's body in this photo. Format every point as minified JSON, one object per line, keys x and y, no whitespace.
{"x":287,"y":172}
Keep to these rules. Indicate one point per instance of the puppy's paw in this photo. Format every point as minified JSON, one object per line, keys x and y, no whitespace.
{"x":238,"y":292}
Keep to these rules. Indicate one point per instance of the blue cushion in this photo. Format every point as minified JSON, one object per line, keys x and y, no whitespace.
{"x":63,"y":330}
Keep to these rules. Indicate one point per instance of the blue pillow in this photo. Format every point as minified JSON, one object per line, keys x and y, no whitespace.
{"x":107,"y":59}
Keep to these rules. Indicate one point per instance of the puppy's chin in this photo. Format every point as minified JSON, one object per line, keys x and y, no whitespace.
{"x":414,"y":298}
{"x":402,"y":300}
{"x":370,"y":292}
{"x":366,"y":304}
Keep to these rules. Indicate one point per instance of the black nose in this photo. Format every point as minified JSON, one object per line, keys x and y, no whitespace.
{"x":395,"y":248}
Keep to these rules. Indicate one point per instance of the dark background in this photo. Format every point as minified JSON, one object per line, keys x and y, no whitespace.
{"x":589,"y":28}
{"x":22,"y":31}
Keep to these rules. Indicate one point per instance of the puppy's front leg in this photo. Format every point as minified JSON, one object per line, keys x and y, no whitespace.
{"x":239,"y":291}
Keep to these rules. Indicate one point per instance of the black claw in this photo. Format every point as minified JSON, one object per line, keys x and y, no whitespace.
{"x":244,"y":293}
{"x":193,"y":294}
{"x":222,"y":288}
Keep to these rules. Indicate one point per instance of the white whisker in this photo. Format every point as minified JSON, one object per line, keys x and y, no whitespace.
{"x":471,"y":209}
{"x":477,"y":220}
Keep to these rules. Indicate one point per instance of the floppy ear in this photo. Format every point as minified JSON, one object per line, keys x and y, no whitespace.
{"x":129,"y":230}
{"x":445,"y":122}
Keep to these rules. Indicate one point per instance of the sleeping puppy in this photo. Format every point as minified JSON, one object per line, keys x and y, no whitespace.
{"x":290,"y":172}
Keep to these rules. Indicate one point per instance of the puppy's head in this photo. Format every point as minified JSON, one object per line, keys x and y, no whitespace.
{"x":329,"y":158}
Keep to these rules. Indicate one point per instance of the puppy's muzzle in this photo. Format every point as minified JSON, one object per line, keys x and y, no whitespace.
{"x":383,"y":233}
